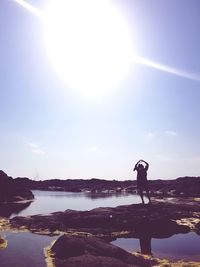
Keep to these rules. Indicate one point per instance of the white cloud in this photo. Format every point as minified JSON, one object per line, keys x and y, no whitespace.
{"x":38,"y":151}
{"x":35,"y":148}
{"x":149,"y":135}
{"x":159,"y":134}
{"x":32,"y":145}
{"x":172,"y":133}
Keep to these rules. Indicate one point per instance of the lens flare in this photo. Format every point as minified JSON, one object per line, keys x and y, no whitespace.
{"x":89,"y":45}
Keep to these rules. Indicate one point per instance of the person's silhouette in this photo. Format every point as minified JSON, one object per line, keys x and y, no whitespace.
{"x":142,"y":183}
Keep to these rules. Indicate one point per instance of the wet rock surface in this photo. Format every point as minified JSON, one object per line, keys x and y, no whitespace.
{"x":157,"y":220}
{"x":89,"y":251}
{"x":74,"y":251}
{"x":88,"y":233}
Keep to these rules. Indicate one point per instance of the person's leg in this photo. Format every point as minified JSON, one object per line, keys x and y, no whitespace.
{"x":141,"y":195}
{"x":148,"y":195}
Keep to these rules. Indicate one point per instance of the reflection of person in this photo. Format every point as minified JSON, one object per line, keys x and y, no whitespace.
{"x":145,"y":245}
{"x":142,"y":183}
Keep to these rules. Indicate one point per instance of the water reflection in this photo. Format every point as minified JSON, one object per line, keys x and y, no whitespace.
{"x":52,"y":201}
{"x":11,"y":209}
{"x":175,"y":247}
{"x":98,"y":195}
{"x":145,"y":245}
{"x":91,"y":195}
{"x":56,"y":194}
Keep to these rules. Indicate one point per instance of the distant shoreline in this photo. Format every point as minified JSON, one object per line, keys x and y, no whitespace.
{"x":180,"y":187}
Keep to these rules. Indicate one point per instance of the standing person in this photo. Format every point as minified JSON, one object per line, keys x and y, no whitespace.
{"x":142,"y":183}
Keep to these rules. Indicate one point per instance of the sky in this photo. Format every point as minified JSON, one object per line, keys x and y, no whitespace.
{"x":50,"y":130}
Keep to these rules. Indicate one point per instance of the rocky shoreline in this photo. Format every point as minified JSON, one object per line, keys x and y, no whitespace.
{"x":161,"y":219}
{"x":11,"y":191}
{"x":87,"y":234}
{"x":74,"y":251}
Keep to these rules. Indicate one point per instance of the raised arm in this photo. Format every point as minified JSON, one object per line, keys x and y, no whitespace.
{"x":135,"y":168}
{"x":147,"y":164}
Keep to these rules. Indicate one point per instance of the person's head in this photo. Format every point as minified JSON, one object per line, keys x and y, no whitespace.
{"x":140,"y":166}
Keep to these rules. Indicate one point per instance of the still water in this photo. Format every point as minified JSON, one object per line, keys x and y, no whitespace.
{"x":27,"y":249}
{"x":51,"y":201}
{"x":24,"y":250}
{"x":180,"y":246}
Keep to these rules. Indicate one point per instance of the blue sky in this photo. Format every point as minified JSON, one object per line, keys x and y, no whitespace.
{"x":49,"y":130}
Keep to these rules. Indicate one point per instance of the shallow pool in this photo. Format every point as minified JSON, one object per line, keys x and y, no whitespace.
{"x":51,"y":201}
{"x":180,"y":246}
{"x":24,"y":249}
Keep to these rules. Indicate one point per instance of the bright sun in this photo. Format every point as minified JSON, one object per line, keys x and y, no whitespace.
{"x":88,"y":43}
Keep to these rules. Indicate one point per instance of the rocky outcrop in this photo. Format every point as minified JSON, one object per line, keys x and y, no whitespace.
{"x":74,"y":251}
{"x":10,"y":191}
{"x":88,"y":233}
{"x":12,"y":208}
{"x":180,"y":187}
{"x":157,"y":220}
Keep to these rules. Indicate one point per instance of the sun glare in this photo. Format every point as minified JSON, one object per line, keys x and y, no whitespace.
{"x":88,"y":43}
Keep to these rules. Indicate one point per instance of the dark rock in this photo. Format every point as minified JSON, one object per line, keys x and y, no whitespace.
{"x":90,"y":251}
{"x":91,"y":261}
{"x":66,"y":247}
{"x":160,"y":228}
{"x":10,"y":191}
{"x":158,"y":220}
{"x":198,"y":228}
{"x":7,"y":209}
{"x":98,"y":253}
{"x":180,"y":187}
